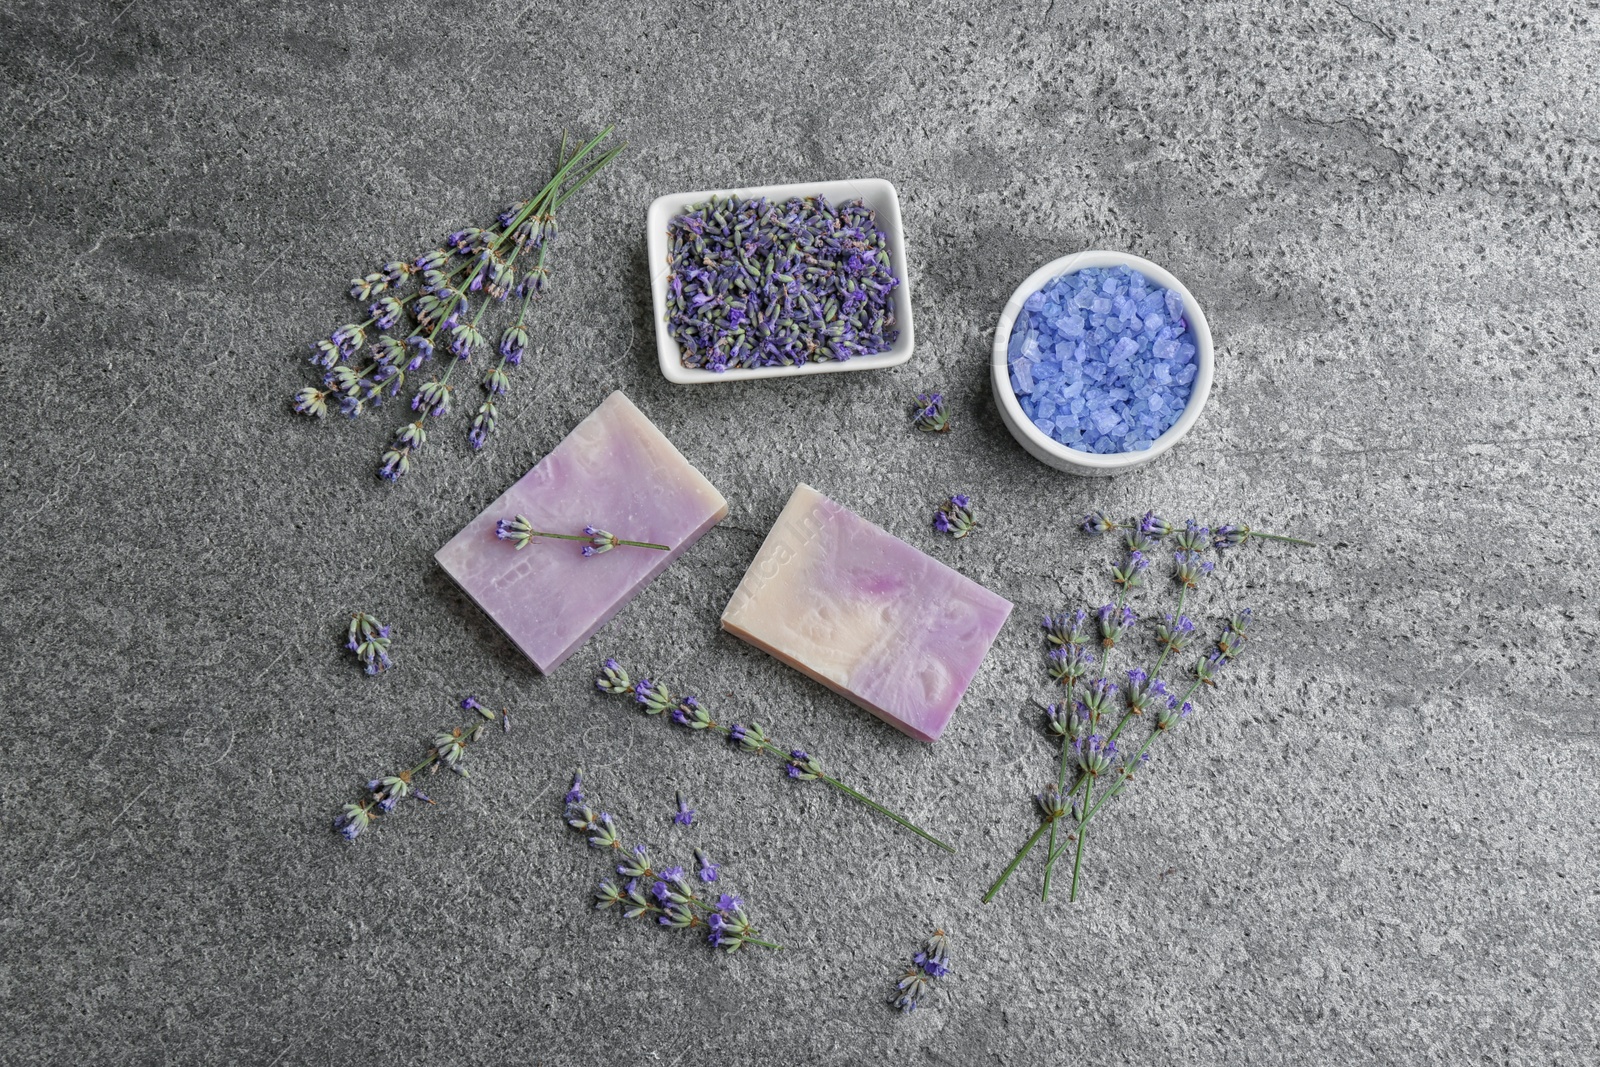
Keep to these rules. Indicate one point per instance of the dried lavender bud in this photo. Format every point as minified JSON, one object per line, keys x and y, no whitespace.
{"x":931,"y":962}
{"x":684,"y":816}
{"x":756,"y":284}
{"x":707,"y":869}
{"x":369,"y":639}
{"x":613,"y":679}
{"x":1155,"y":526}
{"x":929,"y":413}
{"x":1096,"y":523}
{"x":955,"y":516}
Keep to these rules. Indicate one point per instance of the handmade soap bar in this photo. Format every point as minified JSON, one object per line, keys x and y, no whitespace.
{"x":865,"y":614}
{"x":615,"y":471}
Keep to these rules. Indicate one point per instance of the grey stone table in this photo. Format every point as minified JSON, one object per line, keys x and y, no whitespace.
{"x":1377,"y":845}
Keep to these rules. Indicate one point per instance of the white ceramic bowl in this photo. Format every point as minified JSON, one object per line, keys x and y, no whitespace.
{"x":876,"y":193}
{"x":1045,"y":448}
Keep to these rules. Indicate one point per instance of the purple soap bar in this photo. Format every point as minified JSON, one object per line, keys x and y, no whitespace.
{"x":865,"y":614}
{"x":615,"y":471}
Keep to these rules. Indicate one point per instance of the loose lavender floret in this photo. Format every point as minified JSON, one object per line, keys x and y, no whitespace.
{"x":684,"y":816}
{"x":369,"y":639}
{"x":929,"y":414}
{"x":955,"y":516}
{"x":1102,"y":360}
{"x":761,"y":284}
{"x":931,"y":962}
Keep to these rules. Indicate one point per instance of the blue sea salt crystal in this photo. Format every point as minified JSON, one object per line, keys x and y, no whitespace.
{"x":1102,"y":360}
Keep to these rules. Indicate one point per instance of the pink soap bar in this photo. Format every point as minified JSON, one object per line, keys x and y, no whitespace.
{"x":614,"y":471}
{"x":865,"y":614}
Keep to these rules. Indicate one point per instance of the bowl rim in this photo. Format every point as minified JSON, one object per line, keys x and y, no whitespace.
{"x":664,"y":207}
{"x":1198,"y":326}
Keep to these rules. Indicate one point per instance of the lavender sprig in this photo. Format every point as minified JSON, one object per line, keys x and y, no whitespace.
{"x":931,"y":962}
{"x":449,"y":751}
{"x":1152,"y":525}
{"x":656,"y":699}
{"x":666,"y":894}
{"x":955,"y":516}
{"x":1090,"y":740}
{"x":369,"y":639}
{"x":457,"y":283}
{"x":519,"y":531}
{"x":929,"y":414}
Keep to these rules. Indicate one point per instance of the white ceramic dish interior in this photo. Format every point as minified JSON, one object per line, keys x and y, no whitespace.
{"x":876,"y":193}
{"x":1050,"y":451}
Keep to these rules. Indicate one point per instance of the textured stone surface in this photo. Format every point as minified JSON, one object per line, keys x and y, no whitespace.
{"x":1377,"y":846}
{"x":879,"y":622}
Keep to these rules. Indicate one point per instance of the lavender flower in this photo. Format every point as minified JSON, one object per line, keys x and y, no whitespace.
{"x":803,"y":767}
{"x":684,"y":816}
{"x":929,"y":414}
{"x":384,"y":793}
{"x":707,"y":869}
{"x":1129,"y":575}
{"x":1097,"y":523}
{"x":930,"y":963}
{"x":1174,"y":634}
{"x":1155,"y":526}
{"x":1194,"y":538}
{"x":1069,"y":664}
{"x":1114,"y":622}
{"x":1191,"y":567}
{"x":613,"y":679}
{"x":955,"y":516}
{"x":369,"y":639}
{"x":1067,"y":629}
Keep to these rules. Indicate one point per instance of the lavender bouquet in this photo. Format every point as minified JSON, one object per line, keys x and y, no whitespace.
{"x":364,"y":363}
{"x":1096,"y":713}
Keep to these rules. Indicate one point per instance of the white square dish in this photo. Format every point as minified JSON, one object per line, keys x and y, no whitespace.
{"x":875,"y":193}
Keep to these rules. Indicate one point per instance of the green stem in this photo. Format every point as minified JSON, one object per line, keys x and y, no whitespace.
{"x":1022,"y":854}
{"x":583,"y":537}
{"x":1083,"y":834}
{"x":1050,"y":850}
{"x":1177,"y":616}
{"x":566,"y":194}
{"x":1281,"y":537}
{"x":880,"y":809}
